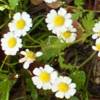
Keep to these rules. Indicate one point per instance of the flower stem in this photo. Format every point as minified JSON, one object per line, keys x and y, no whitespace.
{"x":34,"y":41}
{"x":35,"y":46}
{"x":3,"y":62}
{"x":87,"y":60}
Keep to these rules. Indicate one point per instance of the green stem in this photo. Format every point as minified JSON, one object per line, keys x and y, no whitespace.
{"x":34,"y":41}
{"x":87,"y":60}
{"x":3,"y":62}
{"x":36,"y":46}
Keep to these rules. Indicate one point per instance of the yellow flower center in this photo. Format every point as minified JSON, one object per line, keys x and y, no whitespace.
{"x":44,"y":76}
{"x":20,"y":24}
{"x":30,"y":55}
{"x":59,"y":20}
{"x":98,"y":46}
{"x":12,"y":42}
{"x":67,"y":34}
{"x":63,"y":87}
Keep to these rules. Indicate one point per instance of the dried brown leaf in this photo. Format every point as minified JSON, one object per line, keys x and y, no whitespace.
{"x":55,"y":4}
{"x":36,"y":2}
{"x":79,"y":28}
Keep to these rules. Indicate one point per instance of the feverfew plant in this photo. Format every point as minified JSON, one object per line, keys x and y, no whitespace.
{"x":47,"y":49}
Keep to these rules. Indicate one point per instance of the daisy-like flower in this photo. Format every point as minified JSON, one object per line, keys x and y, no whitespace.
{"x":58,"y":21}
{"x":50,"y":1}
{"x":29,"y":57}
{"x":11,"y":43}
{"x":68,"y":36}
{"x":44,"y":77}
{"x":97,"y":46}
{"x":96,"y":30}
{"x":20,"y":24}
{"x":64,"y":87}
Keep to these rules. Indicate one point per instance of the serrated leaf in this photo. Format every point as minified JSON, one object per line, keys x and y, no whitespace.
{"x":78,"y":2}
{"x":88,"y":21}
{"x":79,"y":77}
{"x":3,"y":7}
{"x":76,"y":15}
{"x":63,"y":65}
{"x":52,"y":47}
{"x":13,"y":3}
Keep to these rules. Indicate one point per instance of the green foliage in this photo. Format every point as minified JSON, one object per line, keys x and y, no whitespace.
{"x":88,"y":21}
{"x":52,"y":47}
{"x":79,"y":2}
{"x":30,"y":87}
{"x":3,"y":7}
{"x":74,"y":98}
{"x":40,"y":39}
{"x":5,"y":86}
{"x":63,"y":65}
{"x":76,"y":15}
{"x":13,"y":3}
{"x":79,"y":77}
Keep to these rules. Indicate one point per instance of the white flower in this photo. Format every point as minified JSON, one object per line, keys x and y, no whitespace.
{"x":58,"y":21}
{"x":20,"y":24}
{"x":11,"y":43}
{"x":96,"y":30}
{"x":64,"y":87}
{"x":97,"y":46}
{"x":44,"y":77}
{"x":50,"y":1}
{"x":29,"y":57}
{"x":68,"y":36}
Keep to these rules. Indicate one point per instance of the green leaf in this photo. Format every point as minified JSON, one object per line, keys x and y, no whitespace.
{"x":63,"y":65}
{"x":79,"y":2}
{"x":31,"y":88}
{"x":79,"y":77}
{"x":3,"y":7}
{"x":13,"y":3}
{"x":74,"y":98}
{"x":77,"y":15}
{"x":52,"y":47}
{"x":3,"y":76}
{"x":5,"y":87}
{"x":88,"y":21}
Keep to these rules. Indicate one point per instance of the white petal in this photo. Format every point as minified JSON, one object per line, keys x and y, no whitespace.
{"x":94,"y":36}
{"x":72,"y":85}
{"x":22,"y":60}
{"x":67,"y":79}
{"x":46,"y":86}
{"x":36,"y":71}
{"x":72,"y":92}
{"x":62,"y":11}
{"x":48,"y":68}
{"x":54,"y":76}
{"x":67,"y":96}
{"x":59,"y":95}
{"x":26,"y":65}
{"x":54,"y":88}
{"x":98,"y":54}
{"x":39,"y":53}
{"x":94,"y":48}
{"x":23,"y":53}
{"x":35,"y":80}
{"x":17,"y":16}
